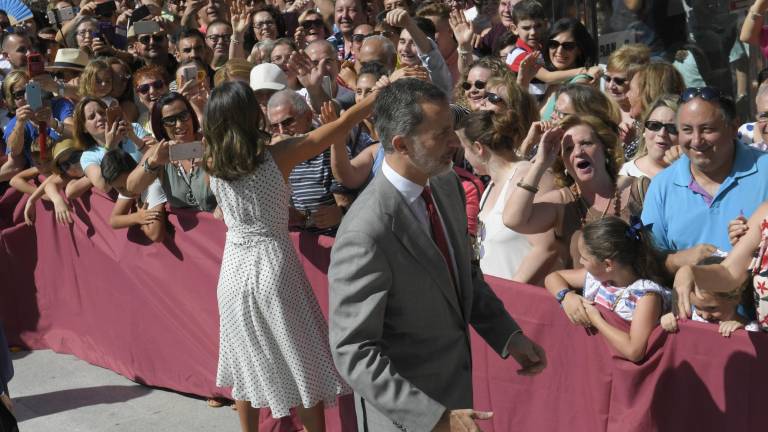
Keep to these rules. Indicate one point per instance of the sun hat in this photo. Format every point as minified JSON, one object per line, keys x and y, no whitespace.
{"x":69,"y":59}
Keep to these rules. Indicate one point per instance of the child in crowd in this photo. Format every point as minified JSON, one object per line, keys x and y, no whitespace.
{"x":622,"y":272}
{"x":65,"y":165}
{"x":530,"y":26}
{"x":730,"y":310}
{"x":147,"y":210}
{"x":96,"y":81}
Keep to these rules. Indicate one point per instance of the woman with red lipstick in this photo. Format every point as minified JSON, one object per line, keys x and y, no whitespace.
{"x":584,"y":153}
{"x":659,"y":135}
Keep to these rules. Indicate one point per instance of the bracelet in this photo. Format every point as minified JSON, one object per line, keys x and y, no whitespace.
{"x":234,"y":41}
{"x":526,"y":186}
{"x":755,"y":14}
{"x":463,"y":51}
{"x":147,"y":168}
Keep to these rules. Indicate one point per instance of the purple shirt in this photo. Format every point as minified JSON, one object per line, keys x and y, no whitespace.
{"x":696,"y":188}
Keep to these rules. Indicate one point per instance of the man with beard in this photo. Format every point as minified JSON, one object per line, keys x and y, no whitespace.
{"x":689,"y":204}
{"x":152,"y":49}
{"x":403,"y":289}
{"x":191,"y":46}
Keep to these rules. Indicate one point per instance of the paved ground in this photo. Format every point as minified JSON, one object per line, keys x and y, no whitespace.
{"x":57,"y":392}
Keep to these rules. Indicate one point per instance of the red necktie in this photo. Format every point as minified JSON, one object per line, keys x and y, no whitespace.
{"x":438,"y":234}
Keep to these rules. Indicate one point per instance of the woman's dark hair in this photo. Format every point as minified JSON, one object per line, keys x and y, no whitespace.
{"x":156,"y":117}
{"x":492,"y":131}
{"x":115,"y":162}
{"x":581,"y":36}
{"x":612,"y":238}
{"x":235,"y":144}
{"x":277,"y":16}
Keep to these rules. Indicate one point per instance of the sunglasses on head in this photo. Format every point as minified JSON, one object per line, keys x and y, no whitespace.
{"x":173,"y":119}
{"x":468,"y":85}
{"x":568,"y":46}
{"x":494,"y":98}
{"x":656,"y":126}
{"x":157,"y":38}
{"x":706,"y":93}
{"x":618,"y":81}
{"x":359,"y":37}
{"x":308,"y":24}
{"x":156,"y":84}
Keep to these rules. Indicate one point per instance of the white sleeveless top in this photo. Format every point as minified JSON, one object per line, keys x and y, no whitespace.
{"x":502,"y":250}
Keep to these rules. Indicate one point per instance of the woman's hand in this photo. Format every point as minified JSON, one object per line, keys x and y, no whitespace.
{"x":23,"y":114}
{"x":736,"y":229}
{"x":44,"y":115}
{"x":462,"y":28}
{"x":241,"y":17}
{"x":160,"y":154}
{"x":100,"y":46}
{"x":550,"y":145}
{"x":145,"y":216}
{"x":115,"y":134}
{"x":30,"y":212}
{"x":573,"y":306}
{"x":328,"y":112}
{"x":87,"y":9}
{"x":62,"y":212}
{"x":669,"y":322}
{"x":727,"y":328}
{"x":528,"y":68}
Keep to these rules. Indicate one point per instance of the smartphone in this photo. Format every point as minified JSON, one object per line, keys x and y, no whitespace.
{"x":114,"y":114}
{"x":327,"y":86}
{"x":140,"y":13}
{"x":146,"y":27}
{"x":34,"y":96}
{"x":190,"y":150}
{"x":106,"y":9}
{"x":35,"y":63}
{"x":107,"y":30}
{"x":68,"y":13}
{"x":189,"y":73}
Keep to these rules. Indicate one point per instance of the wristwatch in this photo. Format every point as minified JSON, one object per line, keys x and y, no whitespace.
{"x":148,"y":168}
{"x":560,"y":296}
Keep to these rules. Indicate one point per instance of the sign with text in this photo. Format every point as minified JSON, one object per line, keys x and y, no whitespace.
{"x":610,"y":42}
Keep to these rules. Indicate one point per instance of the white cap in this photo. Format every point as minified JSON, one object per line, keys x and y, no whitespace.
{"x":268,"y":76}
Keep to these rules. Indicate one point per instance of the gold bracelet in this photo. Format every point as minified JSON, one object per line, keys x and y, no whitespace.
{"x":526,"y":186}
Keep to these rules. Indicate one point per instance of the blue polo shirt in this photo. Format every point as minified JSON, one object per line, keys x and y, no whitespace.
{"x":681,"y":218}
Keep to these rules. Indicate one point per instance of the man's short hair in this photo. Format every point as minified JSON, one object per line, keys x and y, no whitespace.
{"x":318,"y":43}
{"x":426,"y":25}
{"x":297,"y":102}
{"x":191,"y":33}
{"x":116,"y":162}
{"x":398,"y":111}
{"x":373,"y":68}
{"x":528,"y":10}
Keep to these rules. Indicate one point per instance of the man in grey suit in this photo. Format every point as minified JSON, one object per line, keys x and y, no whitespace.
{"x":403,"y":289}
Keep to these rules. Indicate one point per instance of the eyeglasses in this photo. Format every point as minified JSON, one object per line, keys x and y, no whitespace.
{"x":359,"y":38}
{"x":618,"y":81}
{"x":156,"y":84}
{"x":308,"y":24}
{"x":171,"y":120}
{"x":285,"y":124}
{"x":494,"y":98}
{"x":386,"y":33}
{"x":468,"y":85}
{"x":86,"y":33}
{"x":656,"y":126}
{"x":73,"y":159}
{"x":762,"y":117}
{"x":216,"y":37}
{"x":568,"y":46}
{"x":263,"y":24}
{"x":157,"y":38}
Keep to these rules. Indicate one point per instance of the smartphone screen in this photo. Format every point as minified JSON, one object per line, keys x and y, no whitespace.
{"x":190,"y":150}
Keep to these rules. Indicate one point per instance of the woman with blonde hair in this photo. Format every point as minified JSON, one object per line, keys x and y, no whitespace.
{"x":584,"y":154}
{"x":470,"y":91}
{"x":274,"y":348}
{"x":659,"y":135}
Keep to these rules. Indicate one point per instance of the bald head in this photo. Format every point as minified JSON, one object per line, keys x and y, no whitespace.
{"x":379,"y":49}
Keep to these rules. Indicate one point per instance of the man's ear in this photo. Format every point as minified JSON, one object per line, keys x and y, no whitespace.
{"x":398,"y":143}
{"x":608,"y":263}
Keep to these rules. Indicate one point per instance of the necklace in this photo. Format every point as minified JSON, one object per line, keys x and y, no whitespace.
{"x":585,"y":210}
{"x":188,"y":181}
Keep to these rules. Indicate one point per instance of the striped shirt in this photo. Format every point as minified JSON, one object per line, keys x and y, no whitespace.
{"x":311,"y":182}
{"x":623,"y":300}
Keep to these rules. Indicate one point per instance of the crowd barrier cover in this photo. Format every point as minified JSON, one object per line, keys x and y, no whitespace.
{"x":149,"y":313}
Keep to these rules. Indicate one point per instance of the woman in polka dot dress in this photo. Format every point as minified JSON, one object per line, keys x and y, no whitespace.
{"x":274,"y":349}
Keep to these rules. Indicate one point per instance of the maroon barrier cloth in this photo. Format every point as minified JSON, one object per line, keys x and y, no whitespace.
{"x":149,"y":313}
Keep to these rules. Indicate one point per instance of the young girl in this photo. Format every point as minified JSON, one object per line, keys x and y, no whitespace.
{"x":96,"y":81}
{"x":622,"y":272}
{"x":65,"y":167}
{"x":724,"y":308}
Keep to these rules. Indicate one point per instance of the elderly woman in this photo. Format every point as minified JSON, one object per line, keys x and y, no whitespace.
{"x":470,"y":90}
{"x":622,"y":64}
{"x":659,"y":135}
{"x":585,"y":154}
{"x":185,"y":183}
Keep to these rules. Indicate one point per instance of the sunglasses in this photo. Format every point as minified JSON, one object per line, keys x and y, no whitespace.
{"x":171,"y":120}
{"x":618,"y":81}
{"x":706,"y":93}
{"x":359,"y":38}
{"x":72,"y":160}
{"x":156,"y":84}
{"x":19,"y":94}
{"x":308,"y":24}
{"x":494,"y":98}
{"x":468,"y":85}
{"x":568,"y":46}
{"x":656,"y":126}
{"x":386,"y":33}
{"x":157,"y":38}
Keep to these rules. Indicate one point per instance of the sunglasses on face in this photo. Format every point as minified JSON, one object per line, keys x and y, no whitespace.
{"x":494,"y":98}
{"x":73,"y":159}
{"x":145,"y":39}
{"x":386,"y":33}
{"x":618,"y":81}
{"x":656,"y":126}
{"x":468,"y":85}
{"x":308,"y":24}
{"x":568,"y":46}
{"x":18,"y":95}
{"x":157,"y":85}
{"x":359,"y":38}
{"x":171,"y":120}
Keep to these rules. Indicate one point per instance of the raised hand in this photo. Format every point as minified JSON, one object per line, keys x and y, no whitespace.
{"x":398,"y":18}
{"x":300,"y":37}
{"x":241,"y":16}
{"x":462,"y":28}
{"x":550,"y":145}
{"x":328,"y":112}
{"x":528,"y":68}
{"x":308,"y":74}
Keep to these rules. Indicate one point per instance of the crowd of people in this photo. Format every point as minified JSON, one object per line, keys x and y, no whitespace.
{"x":438,"y":141}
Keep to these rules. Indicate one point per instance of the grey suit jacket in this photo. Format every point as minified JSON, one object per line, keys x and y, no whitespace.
{"x":398,"y":328}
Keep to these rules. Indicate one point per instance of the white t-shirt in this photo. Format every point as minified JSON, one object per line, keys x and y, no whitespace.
{"x":152,"y":196}
{"x":631,"y":169}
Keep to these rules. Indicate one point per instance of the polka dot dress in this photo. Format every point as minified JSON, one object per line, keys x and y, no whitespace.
{"x":274,"y":349}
